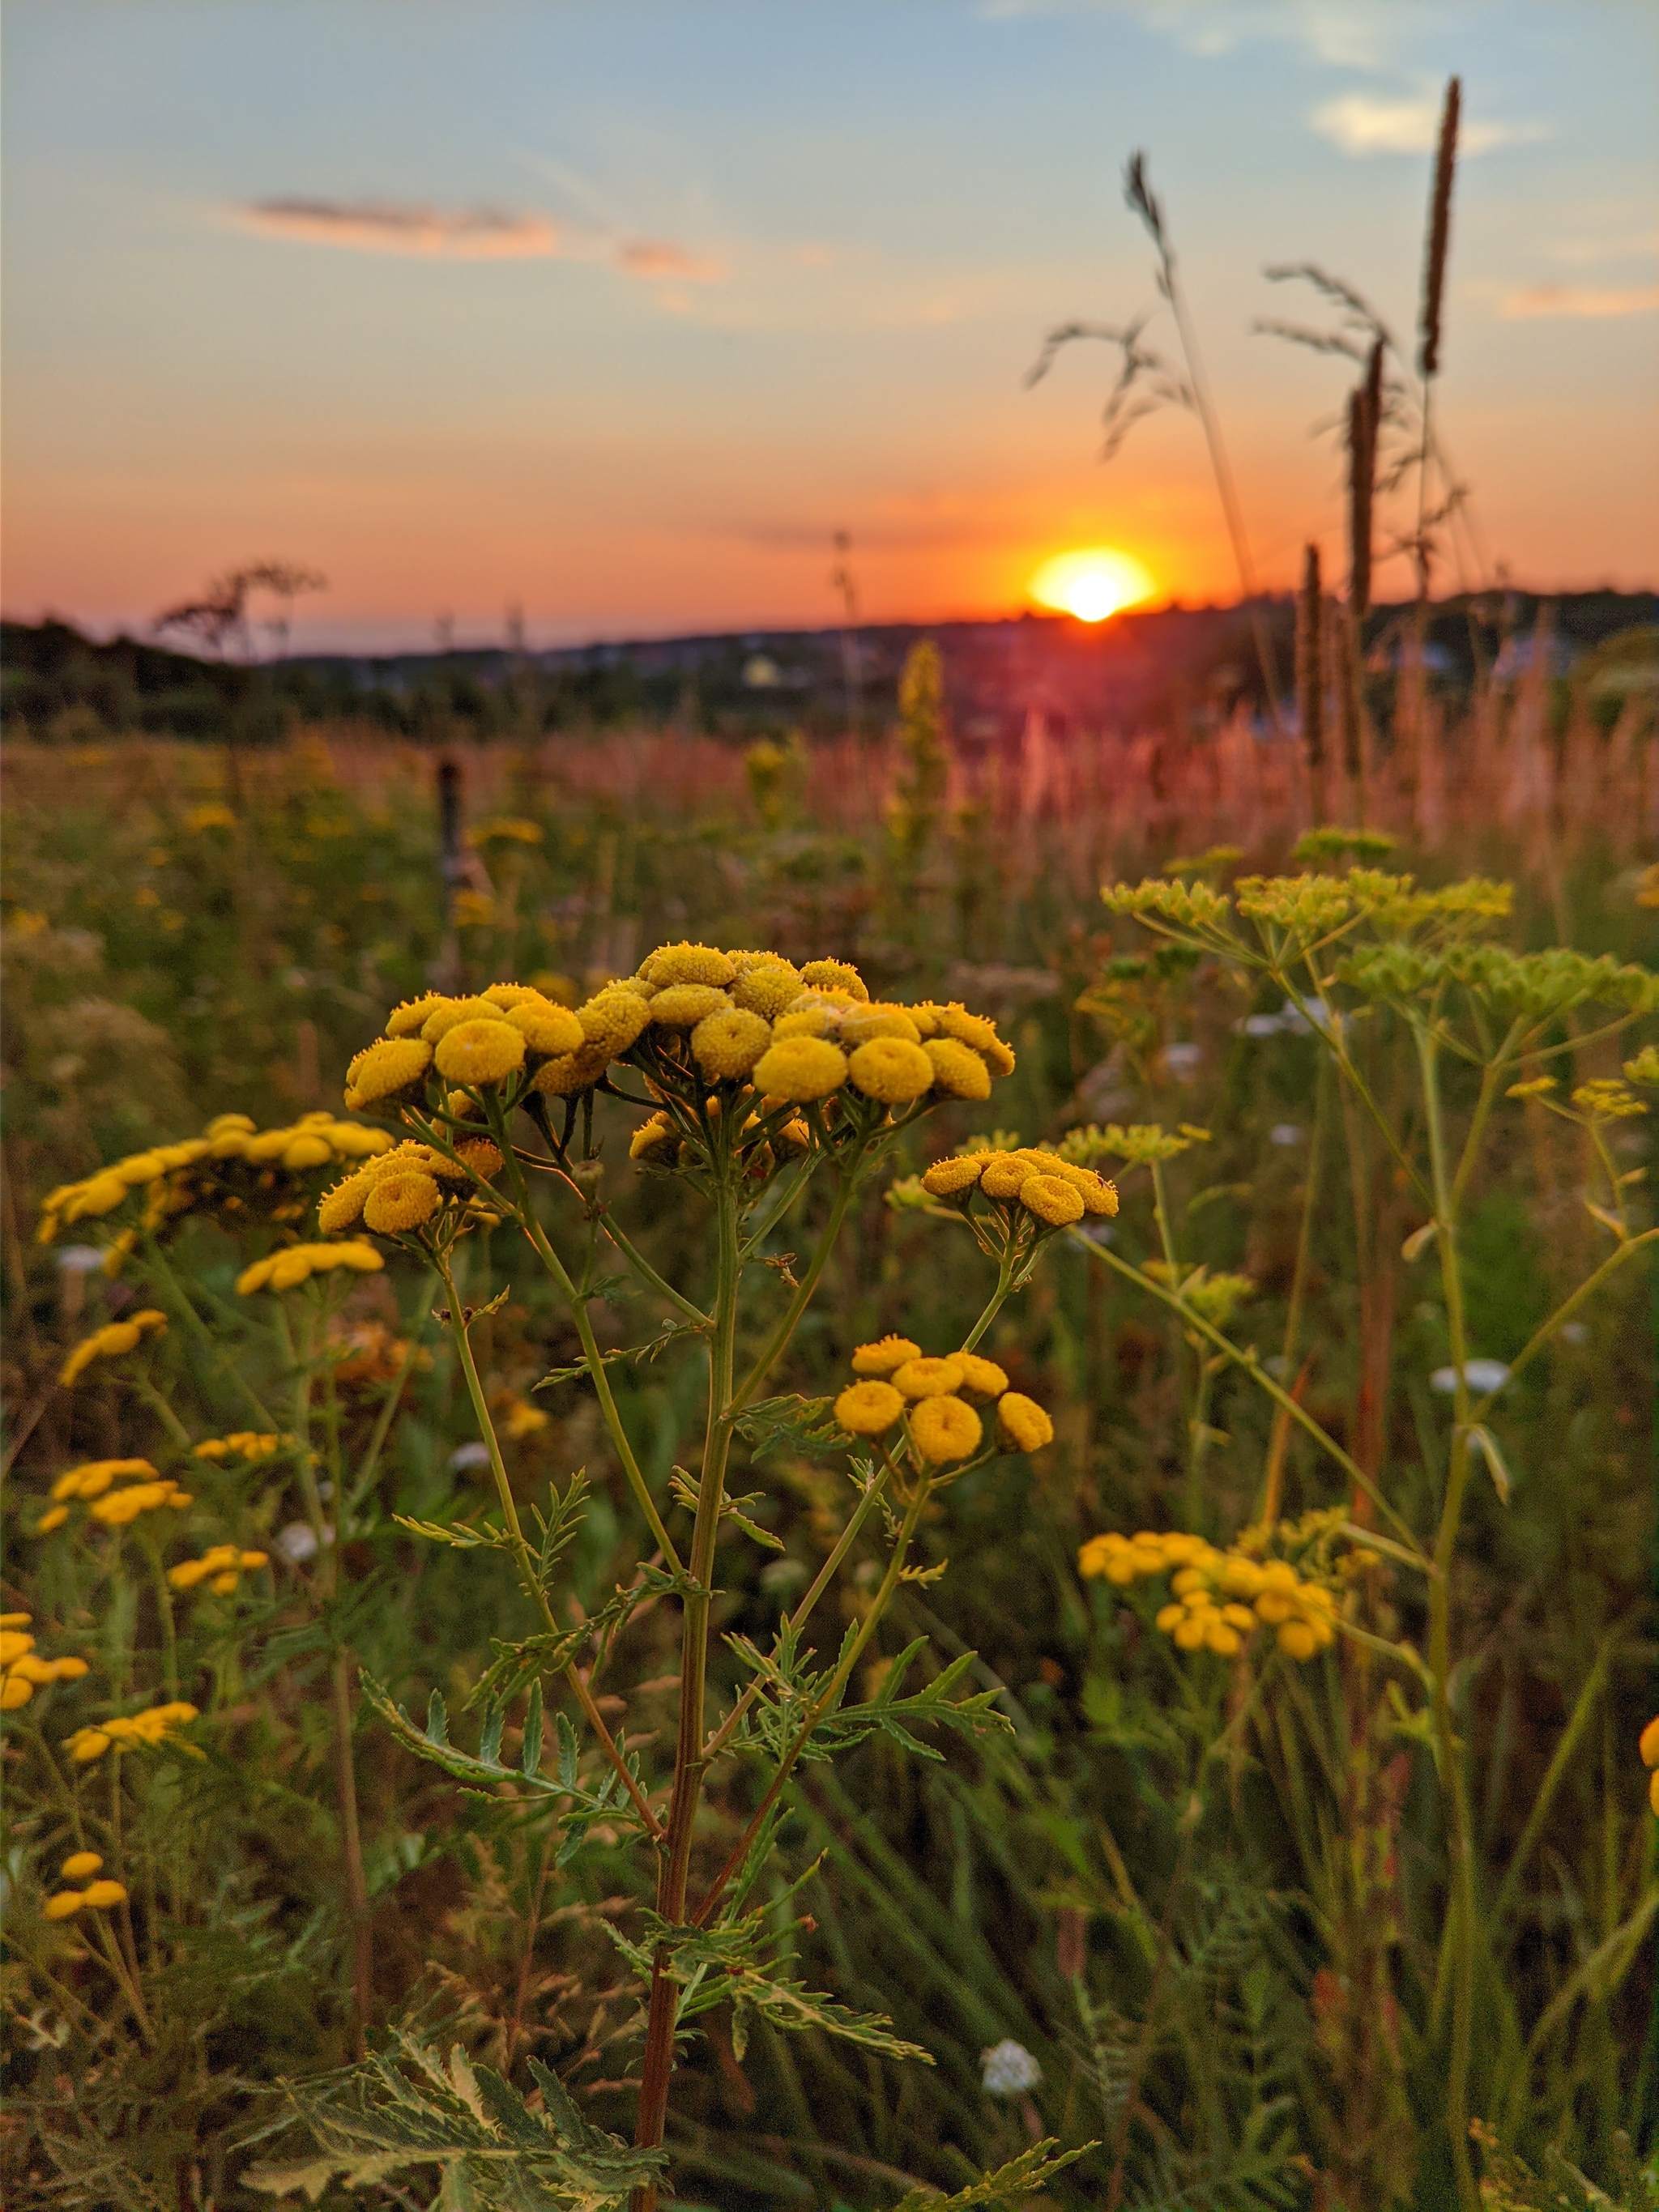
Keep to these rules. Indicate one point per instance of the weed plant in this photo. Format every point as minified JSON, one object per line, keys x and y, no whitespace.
{"x":1279,"y":1924}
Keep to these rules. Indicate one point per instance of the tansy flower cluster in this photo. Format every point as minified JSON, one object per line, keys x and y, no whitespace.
{"x":795,"y":1035}
{"x":1052,"y":1191}
{"x":221,"y":1568}
{"x":136,"y":1731}
{"x":233,"y":1171}
{"x":933,"y":1398}
{"x":405,"y":1188}
{"x":298,"y":1263}
{"x":22,"y":1671}
{"x":143,"y":1491}
{"x":1219,"y":1598}
{"x":251,"y":1445}
{"x":96,"y":1897}
{"x":110,"y":1342}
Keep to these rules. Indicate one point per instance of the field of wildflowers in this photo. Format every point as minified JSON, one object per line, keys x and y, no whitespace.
{"x":732,"y":1493}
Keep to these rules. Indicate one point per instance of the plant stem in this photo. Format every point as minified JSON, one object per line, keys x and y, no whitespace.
{"x":824,"y":1703}
{"x":528,"y":1573}
{"x":351,"y":1850}
{"x":803,"y":1612}
{"x":778,"y":1342}
{"x":1259,"y":1375}
{"x":690,"y":1757}
{"x":1449,"y":1751}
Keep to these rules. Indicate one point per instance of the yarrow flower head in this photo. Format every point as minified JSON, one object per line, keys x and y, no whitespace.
{"x":1008,"y":2069}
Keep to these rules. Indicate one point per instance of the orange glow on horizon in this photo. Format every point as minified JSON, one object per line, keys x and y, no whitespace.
{"x":1092,"y":583}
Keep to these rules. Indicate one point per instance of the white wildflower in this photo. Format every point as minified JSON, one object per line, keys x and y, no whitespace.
{"x":1008,"y":2069}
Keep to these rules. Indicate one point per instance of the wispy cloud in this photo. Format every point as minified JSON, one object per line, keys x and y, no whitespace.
{"x":1373,"y":122}
{"x":395,"y":227}
{"x":484,"y":233}
{"x":653,"y":257}
{"x":1579,"y":300}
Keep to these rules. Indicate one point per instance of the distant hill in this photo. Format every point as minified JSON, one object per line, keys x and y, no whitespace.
{"x":1168,"y":665}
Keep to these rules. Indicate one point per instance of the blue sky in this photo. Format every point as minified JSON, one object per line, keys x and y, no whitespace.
{"x":616,"y":311}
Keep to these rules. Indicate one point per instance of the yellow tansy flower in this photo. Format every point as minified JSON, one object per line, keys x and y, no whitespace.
{"x":884,"y":1357}
{"x":891,"y":1070}
{"x":949,"y":1178}
{"x":683,"y":1006}
{"x":546,"y":1027}
{"x":799,"y":1068}
{"x":481,"y":1051}
{"x":868,"y":1409}
{"x":1051,"y":1199}
{"x":928,"y":1378}
{"x":728,"y":1042}
{"x":834,"y":976}
{"x":387,"y":1069}
{"x":945,"y":1428}
{"x":401,"y":1201}
{"x":1025,"y":1424}
{"x":982,"y":1376}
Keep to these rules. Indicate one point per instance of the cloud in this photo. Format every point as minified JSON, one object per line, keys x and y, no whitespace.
{"x":484,"y":233}
{"x":651,"y":257}
{"x":1579,"y":300}
{"x":393,"y":227}
{"x":1371,"y":122}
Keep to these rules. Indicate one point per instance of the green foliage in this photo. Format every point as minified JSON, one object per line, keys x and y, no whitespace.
{"x":408,"y":2109}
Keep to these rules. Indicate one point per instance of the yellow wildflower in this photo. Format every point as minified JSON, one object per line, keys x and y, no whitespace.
{"x":868,"y":1409}
{"x":958,"y":1072}
{"x":110,"y":1342}
{"x":950,"y":1178}
{"x":81,"y":1865}
{"x":1003,"y":1176}
{"x":673,"y":965}
{"x":859,"y":1025}
{"x":728,"y":1042}
{"x":386,"y":1070}
{"x":944,"y":1428}
{"x":889,"y":1069}
{"x":652,"y":1137}
{"x":886,"y":1356}
{"x":1607,"y":1099}
{"x":683,"y":1006}
{"x":222,"y":1566}
{"x":982,"y":1376}
{"x":53,"y":1517}
{"x":546,"y":1027}
{"x":338,"y":1208}
{"x":766,"y":986}
{"x":94,"y":1477}
{"x":799,"y":1068}
{"x":1647,"y":1744}
{"x":445,"y":1014}
{"x":122,"y":1507}
{"x":401,"y":1201}
{"x":296,"y":1263}
{"x":613,"y":1019}
{"x":1023,"y":1422}
{"x":1051,"y":1199}
{"x":481,"y":1051}
{"x":921,"y":1377}
{"x":146,"y":1729}
{"x":410,"y":1020}
{"x":834,"y":976}
{"x":242,"y":1443}
{"x":571,"y":1072}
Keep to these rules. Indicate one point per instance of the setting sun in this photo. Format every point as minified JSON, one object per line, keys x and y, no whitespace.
{"x":1092,"y":583}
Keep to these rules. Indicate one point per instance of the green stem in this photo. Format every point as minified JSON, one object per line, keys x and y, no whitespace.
{"x":1258,"y":1374}
{"x":1449,"y":1751}
{"x":691,"y":1759}
{"x":164,"y":1609}
{"x":684,"y":1306}
{"x":591,"y":1357}
{"x":997,"y":1300}
{"x":824,"y":1703}
{"x":383,"y":1419}
{"x":528,"y":1573}
{"x":777,"y":1343}
{"x":803,"y":1612}
{"x":1541,"y":1335}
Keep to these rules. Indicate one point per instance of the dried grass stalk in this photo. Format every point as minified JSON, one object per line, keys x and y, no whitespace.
{"x":1310,"y":660}
{"x":1434,"y":268}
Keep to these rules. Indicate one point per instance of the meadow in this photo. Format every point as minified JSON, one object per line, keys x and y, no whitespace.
{"x":1296,"y":1852}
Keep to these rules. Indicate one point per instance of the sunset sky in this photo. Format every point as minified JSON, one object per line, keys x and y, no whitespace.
{"x":618,"y":312}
